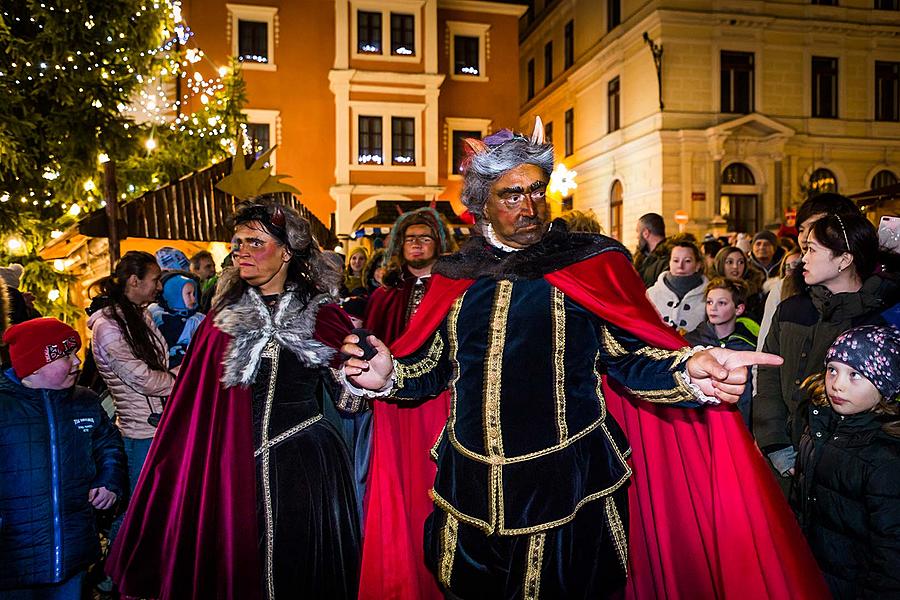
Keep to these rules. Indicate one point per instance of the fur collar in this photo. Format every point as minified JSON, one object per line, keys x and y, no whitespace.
{"x":252,"y":325}
{"x":556,"y":250}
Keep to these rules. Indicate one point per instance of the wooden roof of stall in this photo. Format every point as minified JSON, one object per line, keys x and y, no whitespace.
{"x":190,"y":209}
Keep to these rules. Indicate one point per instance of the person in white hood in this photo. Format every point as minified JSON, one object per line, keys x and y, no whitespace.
{"x":678,"y":293}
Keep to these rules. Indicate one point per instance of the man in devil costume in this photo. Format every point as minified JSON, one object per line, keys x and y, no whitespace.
{"x":545,"y":339}
{"x":396,"y":499}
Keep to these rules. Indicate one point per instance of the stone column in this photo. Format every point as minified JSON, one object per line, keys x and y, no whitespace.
{"x":779,"y":204}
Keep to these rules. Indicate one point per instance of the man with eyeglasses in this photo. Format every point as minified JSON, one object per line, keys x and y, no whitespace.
{"x":564,"y":382}
{"x":396,"y":491}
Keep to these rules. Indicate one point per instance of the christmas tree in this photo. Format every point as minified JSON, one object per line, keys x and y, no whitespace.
{"x":85,"y":82}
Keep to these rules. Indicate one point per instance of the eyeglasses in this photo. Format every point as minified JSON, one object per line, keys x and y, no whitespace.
{"x":515,"y":200}
{"x":419,"y":240}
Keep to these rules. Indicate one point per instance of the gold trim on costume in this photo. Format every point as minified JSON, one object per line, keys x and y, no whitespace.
{"x":613,"y":346}
{"x":496,"y":479}
{"x":449,"y":534}
{"x":285,"y":435}
{"x":535,"y":562}
{"x":417,"y":369}
{"x":271,"y":351}
{"x":506,"y":460}
{"x":680,"y":393}
{"x":493,"y":368}
{"x":660,"y":354}
{"x":618,"y":532}
{"x":558,"y":312}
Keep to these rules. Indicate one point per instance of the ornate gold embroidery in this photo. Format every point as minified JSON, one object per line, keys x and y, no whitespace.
{"x":445,"y":506}
{"x":611,"y":344}
{"x":285,"y":435}
{"x":558,"y":312}
{"x":535,"y":562}
{"x":272,"y":352}
{"x":449,"y":535}
{"x":506,"y":460}
{"x":453,"y":340}
{"x":427,"y":363}
{"x":660,"y":354}
{"x":600,"y":397}
{"x":493,"y":368}
{"x":618,"y":532}
{"x":680,"y":393}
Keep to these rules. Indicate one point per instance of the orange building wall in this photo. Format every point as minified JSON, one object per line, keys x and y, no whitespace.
{"x":495,"y":99}
{"x":298,"y":88}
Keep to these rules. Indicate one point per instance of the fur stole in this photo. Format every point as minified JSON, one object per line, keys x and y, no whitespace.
{"x":252,"y":325}
{"x":556,"y":250}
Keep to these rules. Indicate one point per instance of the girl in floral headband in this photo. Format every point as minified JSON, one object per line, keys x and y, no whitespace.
{"x":848,"y":488}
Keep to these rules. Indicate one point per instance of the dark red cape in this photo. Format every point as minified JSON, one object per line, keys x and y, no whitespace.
{"x":401,"y":473}
{"x":707,"y":518}
{"x":190,"y":529}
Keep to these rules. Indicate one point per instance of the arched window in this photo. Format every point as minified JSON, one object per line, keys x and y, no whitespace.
{"x":822,"y":181}
{"x":615,"y":210}
{"x":883,"y":179}
{"x":737,"y":174}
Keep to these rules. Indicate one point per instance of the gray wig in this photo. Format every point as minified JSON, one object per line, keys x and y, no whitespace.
{"x":486,"y":163}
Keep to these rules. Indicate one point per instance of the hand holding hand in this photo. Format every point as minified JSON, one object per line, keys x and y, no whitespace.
{"x":722,"y":373}
{"x":101,"y":498}
{"x":372,"y":374}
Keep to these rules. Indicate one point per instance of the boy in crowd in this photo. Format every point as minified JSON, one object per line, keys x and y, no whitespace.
{"x":60,"y":458}
{"x":726,"y":301}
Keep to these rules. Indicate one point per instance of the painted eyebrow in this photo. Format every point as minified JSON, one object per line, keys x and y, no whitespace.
{"x":517,"y":189}
{"x":247,"y":239}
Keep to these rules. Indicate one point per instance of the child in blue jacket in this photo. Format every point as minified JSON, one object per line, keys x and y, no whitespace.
{"x":60,"y":459}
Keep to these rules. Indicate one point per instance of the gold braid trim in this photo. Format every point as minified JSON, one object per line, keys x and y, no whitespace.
{"x":558,"y":312}
{"x":618,"y":532}
{"x":533,"y":570}
{"x":680,"y":393}
{"x":493,"y":369}
{"x":496,"y":496}
{"x":417,"y":369}
{"x":611,"y":344}
{"x":449,"y":535}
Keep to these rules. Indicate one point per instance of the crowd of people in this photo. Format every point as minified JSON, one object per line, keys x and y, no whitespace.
{"x":425,"y":420}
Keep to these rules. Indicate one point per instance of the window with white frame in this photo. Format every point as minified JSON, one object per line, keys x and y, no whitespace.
{"x":468,"y":50}
{"x":386,"y":136}
{"x":458,"y":129}
{"x":370,"y":141}
{"x":368,"y":32}
{"x":262,"y":130}
{"x":253,"y":35}
{"x":388,"y":31}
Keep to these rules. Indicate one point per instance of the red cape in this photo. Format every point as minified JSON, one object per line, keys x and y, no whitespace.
{"x":190,"y":529}
{"x":401,"y":473}
{"x":707,"y":518}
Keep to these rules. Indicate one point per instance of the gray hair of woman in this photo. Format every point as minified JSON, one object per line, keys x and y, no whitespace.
{"x":488,"y":159}
{"x":308,"y":272}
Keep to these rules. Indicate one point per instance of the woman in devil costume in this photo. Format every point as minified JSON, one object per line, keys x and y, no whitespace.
{"x":247,"y":492}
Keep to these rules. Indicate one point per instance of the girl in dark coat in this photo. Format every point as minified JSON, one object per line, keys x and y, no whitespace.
{"x":849,"y":465}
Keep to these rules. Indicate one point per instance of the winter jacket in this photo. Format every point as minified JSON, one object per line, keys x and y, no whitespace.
{"x":774,"y":264}
{"x":802,"y":330}
{"x":742,"y":338}
{"x":55,"y":446}
{"x":686,"y":313}
{"x":136,"y":389}
{"x":649,"y":266}
{"x":848,"y":491}
{"x":178,"y":329}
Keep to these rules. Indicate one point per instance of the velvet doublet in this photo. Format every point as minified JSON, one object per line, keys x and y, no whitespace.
{"x":529,"y":440}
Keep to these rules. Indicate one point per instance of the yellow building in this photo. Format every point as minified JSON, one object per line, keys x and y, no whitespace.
{"x":366,"y":99}
{"x":759,"y":102}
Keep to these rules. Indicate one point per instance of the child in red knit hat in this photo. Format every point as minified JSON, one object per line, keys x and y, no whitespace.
{"x":60,"y":457}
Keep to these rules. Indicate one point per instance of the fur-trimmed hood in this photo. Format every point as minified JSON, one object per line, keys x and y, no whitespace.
{"x":252,"y":325}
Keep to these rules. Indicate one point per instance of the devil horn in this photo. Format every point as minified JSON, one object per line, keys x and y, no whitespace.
{"x":537,"y":136}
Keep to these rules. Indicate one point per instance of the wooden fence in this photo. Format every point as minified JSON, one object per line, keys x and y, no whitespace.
{"x":190,"y":209}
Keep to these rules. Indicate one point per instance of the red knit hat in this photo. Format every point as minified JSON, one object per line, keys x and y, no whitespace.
{"x":39,"y":342}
